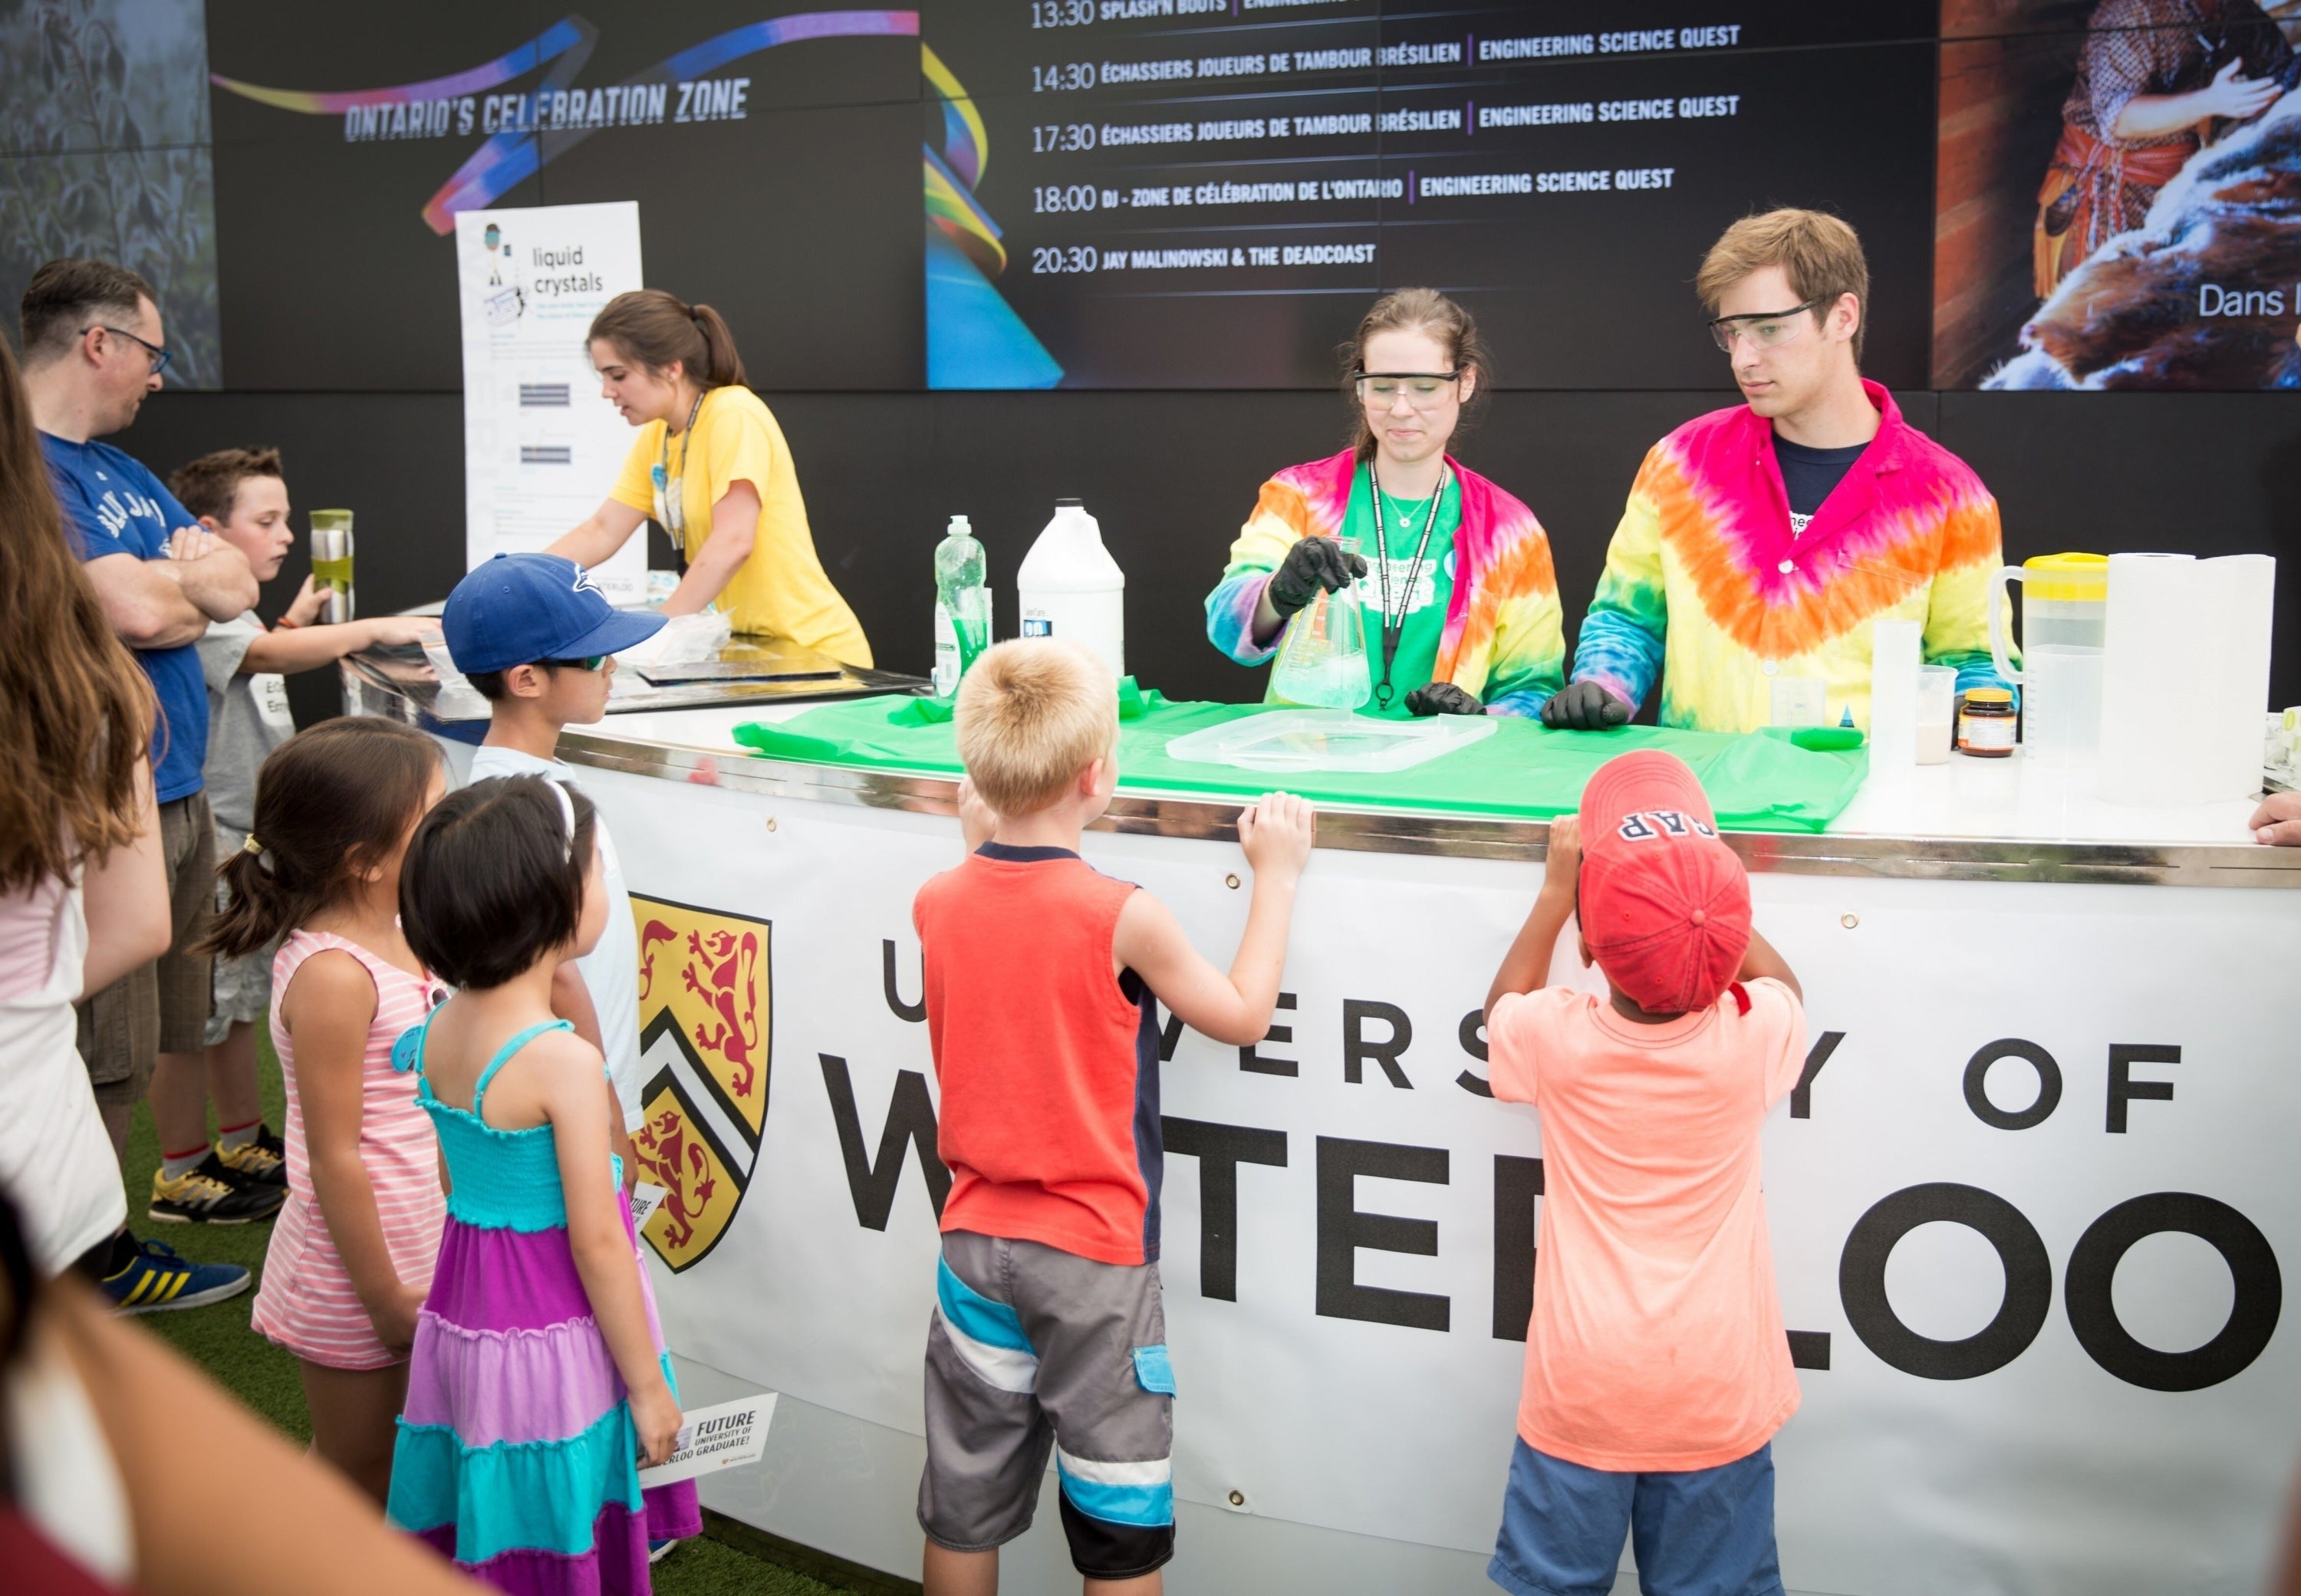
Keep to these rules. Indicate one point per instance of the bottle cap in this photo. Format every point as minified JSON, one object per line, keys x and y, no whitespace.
{"x":1070,"y":503}
{"x":958,"y":523}
{"x":1990,"y":694}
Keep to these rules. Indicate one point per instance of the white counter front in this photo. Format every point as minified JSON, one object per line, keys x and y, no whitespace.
{"x":2028,"y":1206}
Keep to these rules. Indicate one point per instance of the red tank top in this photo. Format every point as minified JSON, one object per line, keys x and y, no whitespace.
{"x":1049,"y":1063}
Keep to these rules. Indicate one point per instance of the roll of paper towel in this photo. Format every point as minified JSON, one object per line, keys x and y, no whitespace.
{"x":2242,"y":589}
{"x":1893,"y":658}
{"x":2185,"y":664}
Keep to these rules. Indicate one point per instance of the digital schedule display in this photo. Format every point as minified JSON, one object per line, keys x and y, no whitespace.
{"x":1206,"y":193}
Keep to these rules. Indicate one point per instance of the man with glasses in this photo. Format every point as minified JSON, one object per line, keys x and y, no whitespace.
{"x":94,"y":349}
{"x":1759,"y":542}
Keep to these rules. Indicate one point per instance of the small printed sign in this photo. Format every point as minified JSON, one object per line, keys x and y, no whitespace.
{"x":727,"y":1435}
{"x":644,"y":1197}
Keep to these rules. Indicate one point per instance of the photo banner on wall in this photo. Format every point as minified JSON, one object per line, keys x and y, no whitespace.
{"x":2119,"y":196}
{"x":541,"y":447}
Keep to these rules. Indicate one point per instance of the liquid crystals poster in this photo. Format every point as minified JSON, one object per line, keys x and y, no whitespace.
{"x":540,"y":446}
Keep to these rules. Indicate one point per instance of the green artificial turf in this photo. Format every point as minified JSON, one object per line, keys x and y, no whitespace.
{"x":217,"y":1338}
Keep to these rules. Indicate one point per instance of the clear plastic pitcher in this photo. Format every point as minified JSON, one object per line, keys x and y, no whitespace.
{"x":2065,"y":603}
{"x":2064,"y":608}
{"x":1322,"y":661}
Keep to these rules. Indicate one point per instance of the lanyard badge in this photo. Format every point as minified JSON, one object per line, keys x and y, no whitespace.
{"x":670,"y":500}
{"x":1391,"y":633}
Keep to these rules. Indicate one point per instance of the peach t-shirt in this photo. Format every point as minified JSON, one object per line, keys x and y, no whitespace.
{"x":1656,"y":1343}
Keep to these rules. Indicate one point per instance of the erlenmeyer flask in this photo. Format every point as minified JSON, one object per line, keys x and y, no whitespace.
{"x":1322,"y":660}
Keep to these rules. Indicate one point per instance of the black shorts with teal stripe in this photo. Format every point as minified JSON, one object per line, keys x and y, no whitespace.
{"x":1030,"y":1349}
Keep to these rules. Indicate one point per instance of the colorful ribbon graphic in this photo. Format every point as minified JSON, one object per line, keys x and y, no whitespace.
{"x":979,"y":342}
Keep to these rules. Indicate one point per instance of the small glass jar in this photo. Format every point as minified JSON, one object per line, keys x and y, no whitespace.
{"x":1985,"y":726}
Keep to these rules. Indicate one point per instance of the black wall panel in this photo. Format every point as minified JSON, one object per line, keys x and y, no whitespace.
{"x":1171,"y":476}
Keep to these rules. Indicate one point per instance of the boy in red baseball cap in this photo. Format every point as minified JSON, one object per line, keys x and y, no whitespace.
{"x":1657,"y":1369}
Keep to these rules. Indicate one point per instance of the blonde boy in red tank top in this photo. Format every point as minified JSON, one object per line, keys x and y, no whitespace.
{"x":1043,"y":978}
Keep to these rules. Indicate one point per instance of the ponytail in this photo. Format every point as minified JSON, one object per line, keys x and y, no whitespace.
{"x":331,"y":802}
{"x":655,"y":329}
{"x":720,"y":361}
{"x":261,"y":906}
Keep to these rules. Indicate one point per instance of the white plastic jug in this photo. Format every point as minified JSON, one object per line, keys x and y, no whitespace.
{"x":1069,"y":587}
{"x":2063,"y":607}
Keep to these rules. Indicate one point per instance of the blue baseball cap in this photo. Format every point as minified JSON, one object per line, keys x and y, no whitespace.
{"x":519,"y":608}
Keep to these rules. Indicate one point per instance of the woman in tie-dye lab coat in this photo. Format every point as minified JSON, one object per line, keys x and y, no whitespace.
{"x":1454,"y":577}
{"x":1762,"y":541}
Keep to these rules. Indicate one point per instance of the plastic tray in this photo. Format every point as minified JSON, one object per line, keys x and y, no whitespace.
{"x":1329,"y":740}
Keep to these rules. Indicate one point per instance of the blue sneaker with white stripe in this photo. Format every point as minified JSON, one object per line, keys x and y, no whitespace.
{"x":157,"y":1281}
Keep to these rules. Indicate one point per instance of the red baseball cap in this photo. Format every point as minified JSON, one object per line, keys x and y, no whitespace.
{"x":1664,"y":903}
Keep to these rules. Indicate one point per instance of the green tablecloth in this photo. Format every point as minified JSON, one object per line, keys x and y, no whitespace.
{"x":1523,"y":771}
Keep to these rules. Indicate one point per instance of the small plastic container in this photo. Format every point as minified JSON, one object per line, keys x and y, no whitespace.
{"x":1985,"y":727}
{"x":1936,"y":713}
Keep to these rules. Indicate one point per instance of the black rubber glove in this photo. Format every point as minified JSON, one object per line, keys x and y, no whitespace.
{"x":1313,"y":566}
{"x":1443,"y":697}
{"x":1584,"y":706}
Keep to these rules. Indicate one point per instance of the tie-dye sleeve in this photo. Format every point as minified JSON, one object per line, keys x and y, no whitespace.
{"x":1529,"y":655}
{"x":1957,"y":618}
{"x":1280,"y":516}
{"x":1620,"y":647}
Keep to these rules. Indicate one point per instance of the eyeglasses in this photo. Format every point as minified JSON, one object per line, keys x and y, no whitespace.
{"x":160,"y":356}
{"x":1423,"y":390}
{"x":590,"y":661}
{"x":1765,"y":329}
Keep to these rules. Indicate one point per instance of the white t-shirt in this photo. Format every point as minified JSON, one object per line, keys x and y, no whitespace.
{"x":56,"y":1160}
{"x":612,"y":969}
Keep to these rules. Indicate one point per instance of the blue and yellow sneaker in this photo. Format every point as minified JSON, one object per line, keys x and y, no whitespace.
{"x":156,"y":1281}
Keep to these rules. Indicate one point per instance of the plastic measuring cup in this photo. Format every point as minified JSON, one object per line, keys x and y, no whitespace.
{"x":1322,"y":661}
{"x":1936,"y":713}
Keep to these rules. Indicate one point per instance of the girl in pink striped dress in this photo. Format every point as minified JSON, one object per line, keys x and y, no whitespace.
{"x":352,"y":1254}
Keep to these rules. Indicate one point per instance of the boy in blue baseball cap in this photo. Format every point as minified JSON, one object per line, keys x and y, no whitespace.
{"x":537,"y":639}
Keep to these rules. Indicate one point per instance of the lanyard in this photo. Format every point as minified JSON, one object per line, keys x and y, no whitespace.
{"x":670,"y":491}
{"x":1392,"y":633}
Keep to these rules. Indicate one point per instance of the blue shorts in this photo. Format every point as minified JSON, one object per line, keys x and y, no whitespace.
{"x":1707,"y":1532}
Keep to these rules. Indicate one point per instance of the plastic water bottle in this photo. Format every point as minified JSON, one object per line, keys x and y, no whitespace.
{"x":1071,"y":588}
{"x":962,"y":613}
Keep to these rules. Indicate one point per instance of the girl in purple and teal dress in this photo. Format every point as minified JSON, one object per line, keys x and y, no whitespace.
{"x":539,"y":1384}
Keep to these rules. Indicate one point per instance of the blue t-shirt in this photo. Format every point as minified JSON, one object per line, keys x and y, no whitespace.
{"x":113,"y":505}
{"x":1810,"y":475}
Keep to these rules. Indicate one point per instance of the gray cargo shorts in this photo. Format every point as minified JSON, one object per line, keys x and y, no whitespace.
{"x":1031,"y":1348}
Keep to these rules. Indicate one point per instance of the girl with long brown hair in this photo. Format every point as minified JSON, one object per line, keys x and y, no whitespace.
{"x":83,"y":899}
{"x":351,"y":1256}
{"x":1456,"y":571}
{"x":710,"y":466}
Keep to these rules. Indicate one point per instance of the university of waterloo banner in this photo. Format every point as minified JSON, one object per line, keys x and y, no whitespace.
{"x":2040,"y":1235}
{"x":706,"y":1031}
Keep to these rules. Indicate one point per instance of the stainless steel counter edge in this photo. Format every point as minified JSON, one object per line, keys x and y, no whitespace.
{"x":1450,"y":836}
{"x":1455,"y":836}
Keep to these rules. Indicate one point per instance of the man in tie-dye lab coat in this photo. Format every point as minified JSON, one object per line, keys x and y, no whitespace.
{"x":1760,"y":542}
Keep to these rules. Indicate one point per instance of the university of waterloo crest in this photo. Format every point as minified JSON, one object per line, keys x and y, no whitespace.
{"x":705,"y":1033}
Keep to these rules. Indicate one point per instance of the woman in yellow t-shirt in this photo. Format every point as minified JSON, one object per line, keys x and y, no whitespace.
{"x":712,"y":468}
